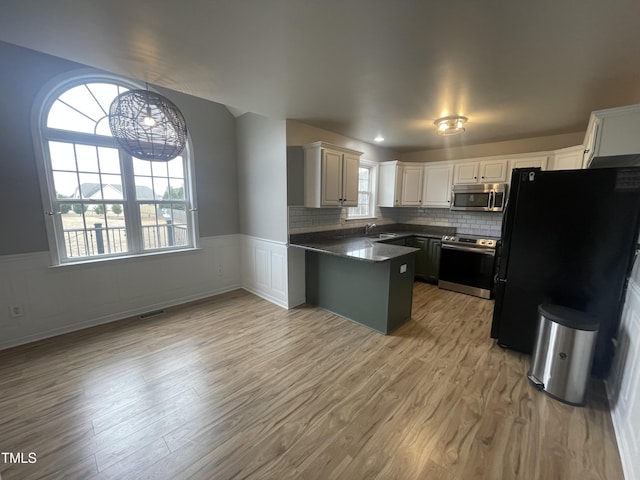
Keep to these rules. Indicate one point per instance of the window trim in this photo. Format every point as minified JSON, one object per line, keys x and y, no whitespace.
{"x":41,"y":134}
{"x":373,"y":166}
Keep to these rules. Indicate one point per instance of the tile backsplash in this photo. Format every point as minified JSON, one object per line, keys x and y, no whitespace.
{"x":472,"y":223}
{"x":303,"y":220}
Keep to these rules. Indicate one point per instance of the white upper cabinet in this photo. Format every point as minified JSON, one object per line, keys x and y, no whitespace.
{"x":484,"y":171}
{"x":400,"y":184}
{"x":529,"y":162}
{"x":613,"y":132}
{"x":330,"y":176}
{"x":350,"y":169}
{"x":466,"y":172}
{"x":389,"y":184}
{"x":493,"y":171}
{"x":437,"y":185}
{"x":411,"y":191}
{"x":414,"y":184}
{"x":567,"y":159}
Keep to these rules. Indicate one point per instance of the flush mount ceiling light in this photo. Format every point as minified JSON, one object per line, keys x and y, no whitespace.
{"x":379,"y":138}
{"x":451,"y":125}
{"x":147,"y":125}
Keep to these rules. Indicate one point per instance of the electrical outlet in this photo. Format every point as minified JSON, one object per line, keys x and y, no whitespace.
{"x":16,"y":311}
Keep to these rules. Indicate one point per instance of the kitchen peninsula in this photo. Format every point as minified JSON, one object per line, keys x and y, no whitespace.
{"x":359,"y":277}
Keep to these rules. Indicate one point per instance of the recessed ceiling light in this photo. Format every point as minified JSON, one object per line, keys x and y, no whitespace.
{"x":379,"y":138}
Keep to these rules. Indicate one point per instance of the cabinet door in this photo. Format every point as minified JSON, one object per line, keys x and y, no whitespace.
{"x":568,"y":160}
{"x":421,"y":255}
{"x":466,"y":173}
{"x":590,"y":141}
{"x":331,"y":178}
{"x":529,"y":162}
{"x":387,"y":184}
{"x":432,"y":272}
{"x":493,"y":171}
{"x":411,"y":194}
{"x":350,"y":170}
{"x":437,"y":186}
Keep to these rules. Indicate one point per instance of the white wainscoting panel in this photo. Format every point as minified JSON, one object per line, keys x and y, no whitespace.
{"x":265,"y":271}
{"x":623,"y":385}
{"x":61,"y":299}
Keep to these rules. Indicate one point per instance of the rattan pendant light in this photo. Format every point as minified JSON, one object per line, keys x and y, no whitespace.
{"x":148,"y":125}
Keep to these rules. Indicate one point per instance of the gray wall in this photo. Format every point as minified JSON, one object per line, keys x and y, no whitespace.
{"x":212,"y":129}
{"x":23,"y":73}
{"x":262,"y":177}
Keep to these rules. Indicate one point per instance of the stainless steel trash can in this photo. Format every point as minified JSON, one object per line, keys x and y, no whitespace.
{"x":563,"y":352}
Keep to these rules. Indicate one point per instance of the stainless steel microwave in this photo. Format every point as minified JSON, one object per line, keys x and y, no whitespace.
{"x":481,"y":197}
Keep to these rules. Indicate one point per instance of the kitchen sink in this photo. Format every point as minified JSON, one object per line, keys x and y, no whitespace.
{"x":387,"y":235}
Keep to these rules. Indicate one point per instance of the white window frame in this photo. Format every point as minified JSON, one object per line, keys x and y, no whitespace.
{"x":43,"y":134}
{"x":373,"y":187}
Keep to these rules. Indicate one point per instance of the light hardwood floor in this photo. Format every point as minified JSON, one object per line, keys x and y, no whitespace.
{"x":235,"y":387}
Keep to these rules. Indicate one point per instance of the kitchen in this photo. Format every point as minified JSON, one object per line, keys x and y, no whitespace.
{"x":608,"y":144}
{"x":244,"y":219}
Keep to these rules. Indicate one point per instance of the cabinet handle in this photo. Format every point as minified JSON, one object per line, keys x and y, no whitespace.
{"x":482,"y":176}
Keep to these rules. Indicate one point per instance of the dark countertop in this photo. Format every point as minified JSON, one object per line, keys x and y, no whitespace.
{"x":359,"y":248}
{"x":354,"y":244}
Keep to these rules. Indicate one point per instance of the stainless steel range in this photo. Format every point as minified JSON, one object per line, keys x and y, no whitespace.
{"x":467,"y":264}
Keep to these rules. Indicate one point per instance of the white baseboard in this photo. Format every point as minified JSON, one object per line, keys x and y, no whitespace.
{"x":112,"y":318}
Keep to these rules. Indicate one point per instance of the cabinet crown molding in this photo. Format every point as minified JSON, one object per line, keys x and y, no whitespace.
{"x":331,"y":146}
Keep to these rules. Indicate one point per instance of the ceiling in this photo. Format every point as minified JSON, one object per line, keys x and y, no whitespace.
{"x":362,"y":68}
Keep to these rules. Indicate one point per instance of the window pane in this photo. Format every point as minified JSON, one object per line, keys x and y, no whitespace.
{"x":154,"y":227}
{"x":66,"y":185}
{"x":103,"y":128}
{"x":164,"y":225}
{"x":161,"y":187}
{"x":159,"y":169}
{"x":90,"y":186}
{"x":176,"y":167}
{"x":65,"y":118}
{"x":62,"y":156}
{"x":178,"y":235}
{"x":104,"y":93}
{"x":176,"y":189}
{"x":109,"y":160}
{"x":111,"y":187}
{"x":144,"y":188}
{"x":90,"y":230}
{"x":80,"y":99}
{"x":75,"y":239}
{"x":141,"y":167}
{"x":87,"y":158}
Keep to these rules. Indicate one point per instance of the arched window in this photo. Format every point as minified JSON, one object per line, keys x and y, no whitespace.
{"x":100,"y":201}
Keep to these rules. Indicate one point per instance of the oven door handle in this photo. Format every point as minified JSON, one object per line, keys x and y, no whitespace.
{"x":483,"y":251}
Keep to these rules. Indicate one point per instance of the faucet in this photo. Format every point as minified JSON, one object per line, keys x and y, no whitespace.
{"x":368,"y":227}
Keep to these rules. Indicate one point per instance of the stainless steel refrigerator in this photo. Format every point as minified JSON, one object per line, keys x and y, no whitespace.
{"x":568,"y":238}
